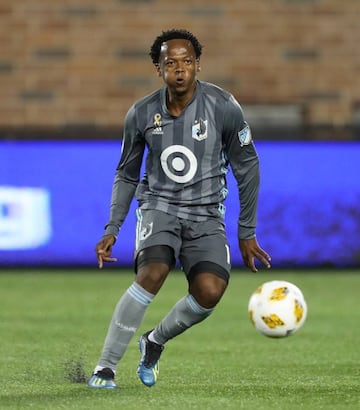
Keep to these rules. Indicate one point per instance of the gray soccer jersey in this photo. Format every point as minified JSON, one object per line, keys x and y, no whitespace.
{"x":187,"y":159}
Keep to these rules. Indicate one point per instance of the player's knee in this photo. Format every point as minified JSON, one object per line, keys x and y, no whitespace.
{"x":207,"y":283}
{"x":152,"y":276}
{"x":154,"y":271}
{"x":208,"y":298}
{"x":207,"y":289}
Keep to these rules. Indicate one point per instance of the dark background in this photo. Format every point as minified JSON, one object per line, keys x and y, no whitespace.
{"x":70,"y":70}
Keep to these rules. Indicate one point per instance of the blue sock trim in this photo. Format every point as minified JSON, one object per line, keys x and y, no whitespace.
{"x":196,"y":307}
{"x":140,"y":294}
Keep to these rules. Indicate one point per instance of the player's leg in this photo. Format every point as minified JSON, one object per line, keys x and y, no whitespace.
{"x":206,"y":288}
{"x":205,"y":259}
{"x":160,"y":230}
{"x":150,"y":276}
{"x":152,"y":265}
{"x":126,"y":319}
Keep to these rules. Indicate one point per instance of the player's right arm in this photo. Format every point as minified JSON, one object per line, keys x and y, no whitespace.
{"x":125,"y":182}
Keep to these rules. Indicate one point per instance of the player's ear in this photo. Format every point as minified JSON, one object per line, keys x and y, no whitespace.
{"x":158,"y":70}
{"x":198,"y":68}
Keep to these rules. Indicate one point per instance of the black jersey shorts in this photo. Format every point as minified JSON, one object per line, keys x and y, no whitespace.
{"x":194,"y":243}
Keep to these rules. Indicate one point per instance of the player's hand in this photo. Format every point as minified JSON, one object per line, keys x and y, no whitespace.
{"x":103,"y":250}
{"x":250,"y":250}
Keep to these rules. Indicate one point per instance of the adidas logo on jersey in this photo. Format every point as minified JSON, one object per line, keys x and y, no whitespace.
{"x":158,"y":125}
{"x":158,"y":131}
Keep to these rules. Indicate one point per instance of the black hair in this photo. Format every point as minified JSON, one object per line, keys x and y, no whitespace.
{"x":172,"y":35}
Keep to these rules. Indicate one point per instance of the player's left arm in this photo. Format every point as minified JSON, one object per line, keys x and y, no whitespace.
{"x":244,"y":161}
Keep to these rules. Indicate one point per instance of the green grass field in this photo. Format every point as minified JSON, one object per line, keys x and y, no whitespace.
{"x":53,"y":324}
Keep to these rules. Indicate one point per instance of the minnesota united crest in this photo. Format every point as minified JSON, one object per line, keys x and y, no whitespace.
{"x":199,"y":129}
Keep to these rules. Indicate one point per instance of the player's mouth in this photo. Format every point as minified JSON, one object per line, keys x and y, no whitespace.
{"x":180,"y":81}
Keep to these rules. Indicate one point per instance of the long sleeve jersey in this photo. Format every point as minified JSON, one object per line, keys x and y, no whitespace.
{"x":187,"y":159}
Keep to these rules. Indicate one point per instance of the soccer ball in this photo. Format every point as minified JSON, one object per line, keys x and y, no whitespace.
{"x":277,"y":308}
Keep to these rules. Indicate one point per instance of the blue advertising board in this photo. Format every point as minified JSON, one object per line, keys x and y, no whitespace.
{"x":54,"y":202}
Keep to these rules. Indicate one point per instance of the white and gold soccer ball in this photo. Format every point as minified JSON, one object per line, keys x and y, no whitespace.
{"x":277,"y":308}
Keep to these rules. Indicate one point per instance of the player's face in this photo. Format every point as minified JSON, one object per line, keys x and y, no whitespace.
{"x":178,"y":66}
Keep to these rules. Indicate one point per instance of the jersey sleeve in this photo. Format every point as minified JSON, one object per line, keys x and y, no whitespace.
{"x":244,"y":162}
{"x":127,"y":173}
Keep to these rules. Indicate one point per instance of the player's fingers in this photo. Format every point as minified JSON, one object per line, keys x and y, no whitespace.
{"x":108,"y":259}
{"x":264,"y":258}
{"x":100,"y":262}
{"x":248,"y":259}
{"x":251,"y":264}
{"x":100,"y":257}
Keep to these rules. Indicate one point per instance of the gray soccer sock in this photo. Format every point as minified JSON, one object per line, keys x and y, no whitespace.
{"x":127,"y":317}
{"x":186,"y":313}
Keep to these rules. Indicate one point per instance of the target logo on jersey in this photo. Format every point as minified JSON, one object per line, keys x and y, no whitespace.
{"x":179,"y":163}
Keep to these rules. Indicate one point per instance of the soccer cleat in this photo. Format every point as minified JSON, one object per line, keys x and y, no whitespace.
{"x":103,"y":379}
{"x":148,"y":369}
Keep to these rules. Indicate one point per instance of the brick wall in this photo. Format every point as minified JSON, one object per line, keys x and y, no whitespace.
{"x":83,"y":62}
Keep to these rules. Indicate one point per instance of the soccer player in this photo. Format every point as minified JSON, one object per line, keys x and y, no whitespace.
{"x":193,"y":132}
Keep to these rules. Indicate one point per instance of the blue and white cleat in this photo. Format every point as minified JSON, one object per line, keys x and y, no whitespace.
{"x":148,"y":369}
{"x":103,"y":379}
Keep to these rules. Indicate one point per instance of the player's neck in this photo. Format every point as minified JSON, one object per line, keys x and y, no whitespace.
{"x":176,"y":103}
